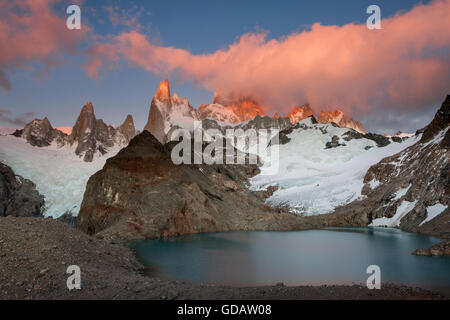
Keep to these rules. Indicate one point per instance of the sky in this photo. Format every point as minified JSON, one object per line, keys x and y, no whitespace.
{"x":282,"y":53}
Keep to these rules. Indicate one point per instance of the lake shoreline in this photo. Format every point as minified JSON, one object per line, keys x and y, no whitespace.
{"x":36,"y":252}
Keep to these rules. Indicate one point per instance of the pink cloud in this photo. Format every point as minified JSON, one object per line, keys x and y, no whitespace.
{"x":31,"y":32}
{"x":406,"y":64}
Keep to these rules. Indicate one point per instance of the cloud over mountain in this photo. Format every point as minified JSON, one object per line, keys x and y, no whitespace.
{"x":404,"y":65}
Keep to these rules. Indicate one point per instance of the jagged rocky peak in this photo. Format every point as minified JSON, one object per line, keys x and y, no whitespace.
{"x":163,"y":93}
{"x":93,"y":136}
{"x":168,"y":111}
{"x":40,"y":133}
{"x":300,"y":113}
{"x":341,"y":119}
{"x":127,"y":129}
{"x":85,"y":124}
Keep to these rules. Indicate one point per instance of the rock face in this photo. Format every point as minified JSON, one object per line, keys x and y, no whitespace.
{"x":409,"y":190}
{"x":92,"y":135}
{"x":341,"y":119}
{"x":40,"y":133}
{"x":439,"y":123}
{"x":141,"y":194}
{"x":127,"y":129}
{"x":18,"y":196}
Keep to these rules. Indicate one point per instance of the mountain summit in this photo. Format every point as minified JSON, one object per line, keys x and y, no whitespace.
{"x":341,"y":119}
{"x":167,"y":112}
{"x":93,"y":136}
{"x":163,"y":93}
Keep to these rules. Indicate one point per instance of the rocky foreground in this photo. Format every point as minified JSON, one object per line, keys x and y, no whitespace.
{"x":35,"y":254}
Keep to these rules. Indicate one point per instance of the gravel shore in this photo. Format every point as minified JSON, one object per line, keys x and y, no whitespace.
{"x":35,"y":254}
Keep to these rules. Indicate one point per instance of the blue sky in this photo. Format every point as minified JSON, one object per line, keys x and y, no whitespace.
{"x":198,"y":26}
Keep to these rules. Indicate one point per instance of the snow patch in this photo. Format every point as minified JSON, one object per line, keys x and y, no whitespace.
{"x":433,"y":212}
{"x":402,"y":210}
{"x":374,"y":183}
{"x":400,"y":193}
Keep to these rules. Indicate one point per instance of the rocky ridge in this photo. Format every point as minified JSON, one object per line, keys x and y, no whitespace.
{"x":89,"y":135}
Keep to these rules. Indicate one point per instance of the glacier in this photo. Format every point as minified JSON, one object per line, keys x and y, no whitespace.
{"x":314,"y":180}
{"x":60,"y":175}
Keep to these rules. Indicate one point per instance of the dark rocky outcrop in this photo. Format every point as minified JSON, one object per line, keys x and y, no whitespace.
{"x":440,"y":121}
{"x":380,"y":140}
{"x":18,"y":196}
{"x":440,"y":249}
{"x":141,"y":194}
{"x":334,"y":143}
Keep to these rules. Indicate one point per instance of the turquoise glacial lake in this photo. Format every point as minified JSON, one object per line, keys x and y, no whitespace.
{"x":313,"y":257}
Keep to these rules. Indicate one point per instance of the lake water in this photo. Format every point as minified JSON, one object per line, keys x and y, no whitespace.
{"x":312,"y":257}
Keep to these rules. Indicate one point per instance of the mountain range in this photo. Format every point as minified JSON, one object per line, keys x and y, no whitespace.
{"x":329,"y":172}
{"x":169,"y":112}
